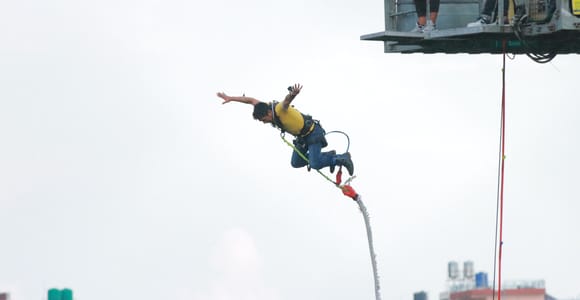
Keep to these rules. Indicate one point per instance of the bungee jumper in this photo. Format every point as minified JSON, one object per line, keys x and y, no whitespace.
{"x":309,"y":140}
{"x":309,"y":136}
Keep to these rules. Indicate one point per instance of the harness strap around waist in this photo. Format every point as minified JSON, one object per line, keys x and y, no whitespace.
{"x":308,"y":127}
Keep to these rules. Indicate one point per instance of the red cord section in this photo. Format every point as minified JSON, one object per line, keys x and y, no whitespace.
{"x":347,"y":190}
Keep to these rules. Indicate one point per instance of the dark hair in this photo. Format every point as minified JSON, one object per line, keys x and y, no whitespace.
{"x":260,"y":110}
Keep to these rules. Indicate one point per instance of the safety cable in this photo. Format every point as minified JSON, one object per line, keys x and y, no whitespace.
{"x":541,"y":58}
{"x":303,"y":156}
{"x":499,"y":205}
{"x":306,"y":159}
{"x":343,"y":133}
{"x":502,"y":176}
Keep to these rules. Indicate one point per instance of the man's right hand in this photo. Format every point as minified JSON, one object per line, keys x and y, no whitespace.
{"x":224,"y":96}
{"x":241,"y":99}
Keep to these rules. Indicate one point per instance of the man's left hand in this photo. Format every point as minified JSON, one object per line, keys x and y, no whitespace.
{"x":296,"y":89}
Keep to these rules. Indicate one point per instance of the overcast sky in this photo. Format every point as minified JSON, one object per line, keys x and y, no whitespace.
{"x":122,"y":176}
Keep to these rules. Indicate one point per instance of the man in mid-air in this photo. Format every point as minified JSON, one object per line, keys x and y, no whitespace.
{"x":309,"y":135}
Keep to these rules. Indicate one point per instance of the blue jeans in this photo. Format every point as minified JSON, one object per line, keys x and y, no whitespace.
{"x":312,"y":148}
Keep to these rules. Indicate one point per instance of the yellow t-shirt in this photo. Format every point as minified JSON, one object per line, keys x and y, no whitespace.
{"x":291,"y":119}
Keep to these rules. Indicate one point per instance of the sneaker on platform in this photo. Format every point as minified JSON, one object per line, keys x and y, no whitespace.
{"x":430,"y":26}
{"x":481,"y":21}
{"x":418,"y":28}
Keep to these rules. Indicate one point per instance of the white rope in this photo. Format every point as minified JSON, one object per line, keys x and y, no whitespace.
{"x":365,"y":213}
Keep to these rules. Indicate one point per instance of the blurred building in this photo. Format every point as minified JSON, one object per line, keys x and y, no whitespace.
{"x":420,"y":296}
{"x":468,"y":285}
{"x":56,"y":294}
{"x":506,"y":294}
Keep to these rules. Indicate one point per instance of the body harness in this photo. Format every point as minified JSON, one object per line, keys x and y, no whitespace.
{"x":307,"y":128}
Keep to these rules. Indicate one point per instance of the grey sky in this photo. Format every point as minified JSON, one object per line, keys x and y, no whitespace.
{"x":123,"y":177}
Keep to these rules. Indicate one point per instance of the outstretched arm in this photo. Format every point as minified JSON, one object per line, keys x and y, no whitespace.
{"x":294,"y":91}
{"x":242,"y":99}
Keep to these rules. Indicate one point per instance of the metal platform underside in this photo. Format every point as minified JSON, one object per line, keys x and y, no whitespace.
{"x":477,"y":40}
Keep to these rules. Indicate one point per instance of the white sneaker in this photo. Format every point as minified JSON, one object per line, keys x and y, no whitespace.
{"x":418,"y":28}
{"x":479,"y":22}
{"x":430,"y":26}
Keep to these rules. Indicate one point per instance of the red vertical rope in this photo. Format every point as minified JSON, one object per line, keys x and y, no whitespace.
{"x":502,"y":173}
